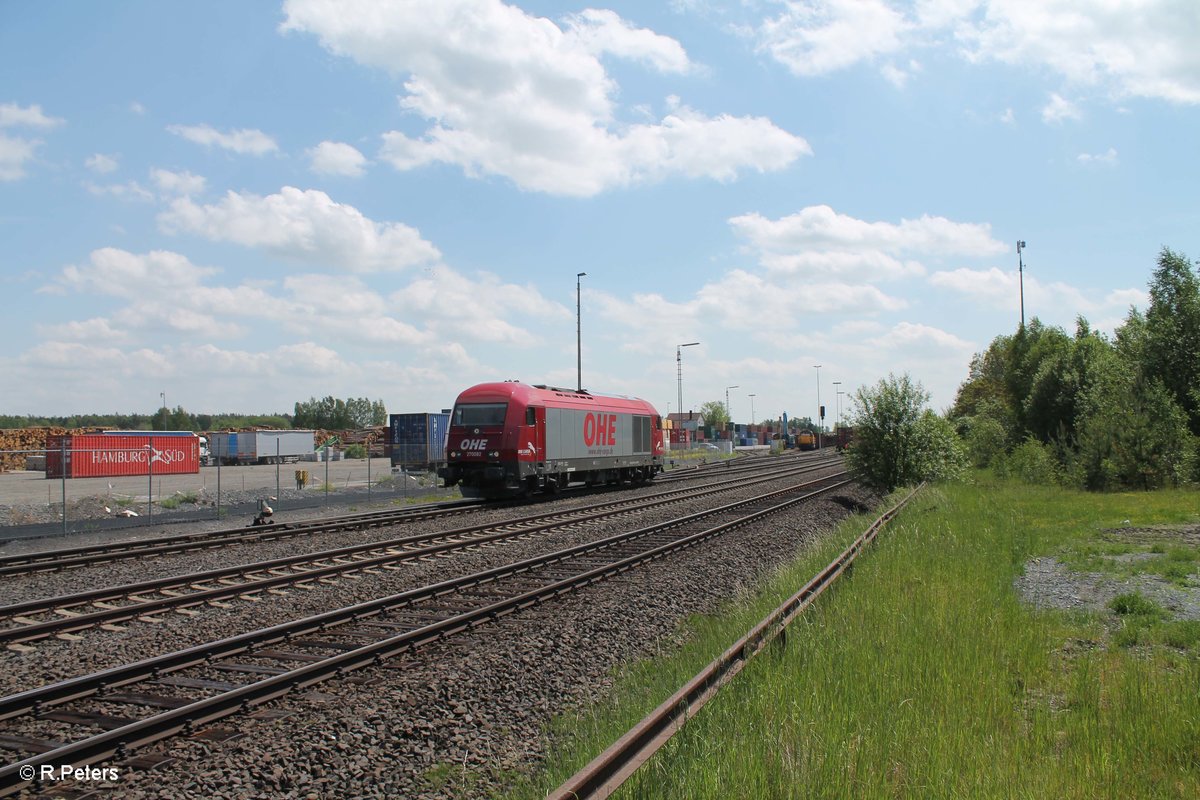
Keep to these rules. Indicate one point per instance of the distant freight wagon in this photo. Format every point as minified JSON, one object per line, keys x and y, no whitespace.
{"x":261,"y":447}
{"x":114,"y":454}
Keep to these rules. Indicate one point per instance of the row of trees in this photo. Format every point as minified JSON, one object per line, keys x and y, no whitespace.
{"x":1080,"y":410}
{"x":1092,"y":412}
{"x":328,"y":413}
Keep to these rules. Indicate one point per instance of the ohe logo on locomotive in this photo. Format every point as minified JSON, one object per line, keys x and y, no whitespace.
{"x":600,"y":429}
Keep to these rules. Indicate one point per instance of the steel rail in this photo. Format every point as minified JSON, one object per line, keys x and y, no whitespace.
{"x":54,"y":560}
{"x":117,"y":742}
{"x":417,"y":546}
{"x":74,"y":688}
{"x":607,"y":771}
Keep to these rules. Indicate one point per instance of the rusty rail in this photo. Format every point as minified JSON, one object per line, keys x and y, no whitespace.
{"x":607,"y":771}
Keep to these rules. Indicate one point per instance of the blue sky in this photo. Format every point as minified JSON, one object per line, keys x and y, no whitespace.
{"x":241,"y":205}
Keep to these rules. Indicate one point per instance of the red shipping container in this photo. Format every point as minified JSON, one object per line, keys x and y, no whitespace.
{"x":104,"y":456}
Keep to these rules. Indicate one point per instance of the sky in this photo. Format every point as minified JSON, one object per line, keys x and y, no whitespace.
{"x":232,"y":206}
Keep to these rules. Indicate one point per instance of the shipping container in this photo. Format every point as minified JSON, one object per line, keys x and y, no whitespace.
{"x":261,"y":447}
{"x":417,"y":440}
{"x":223,"y":447}
{"x":104,"y":455}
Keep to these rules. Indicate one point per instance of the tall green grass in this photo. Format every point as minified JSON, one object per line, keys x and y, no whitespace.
{"x":923,"y":675}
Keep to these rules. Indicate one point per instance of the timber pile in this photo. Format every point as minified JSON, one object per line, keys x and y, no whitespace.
{"x":29,"y":439}
{"x":374,"y":439}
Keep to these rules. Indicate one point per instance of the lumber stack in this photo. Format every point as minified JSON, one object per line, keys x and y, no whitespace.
{"x":15,"y":440}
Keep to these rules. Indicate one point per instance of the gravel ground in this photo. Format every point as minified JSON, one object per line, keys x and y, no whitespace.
{"x":1048,"y":584}
{"x":457,"y":719}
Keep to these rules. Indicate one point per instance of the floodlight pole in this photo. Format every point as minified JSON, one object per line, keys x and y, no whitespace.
{"x":578,"y":334}
{"x":679,"y":372}
{"x":820,"y":416}
{"x":1021,"y":278}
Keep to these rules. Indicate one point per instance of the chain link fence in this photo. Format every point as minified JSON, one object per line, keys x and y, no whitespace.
{"x":31,"y":504}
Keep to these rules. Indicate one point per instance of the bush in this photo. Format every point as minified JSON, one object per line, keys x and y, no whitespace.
{"x":897,"y":441}
{"x":356,"y":451}
{"x":1136,"y":437}
{"x":1135,"y":604}
{"x":986,"y":441}
{"x":1031,"y":462}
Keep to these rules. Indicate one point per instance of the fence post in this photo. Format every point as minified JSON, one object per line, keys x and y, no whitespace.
{"x":218,"y":487}
{"x":150,"y":478}
{"x":63,"y":471}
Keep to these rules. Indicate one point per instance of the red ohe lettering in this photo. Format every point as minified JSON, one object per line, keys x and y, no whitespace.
{"x":600,"y":429}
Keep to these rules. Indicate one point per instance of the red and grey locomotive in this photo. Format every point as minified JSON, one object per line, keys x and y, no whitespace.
{"x":507,"y":439}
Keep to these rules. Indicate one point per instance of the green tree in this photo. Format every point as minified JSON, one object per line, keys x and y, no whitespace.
{"x":1171,"y":337}
{"x":176,"y":420}
{"x":715,"y":414}
{"x":1134,"y":436}
{"x":331,"y":413}
{"x":898,"y":441}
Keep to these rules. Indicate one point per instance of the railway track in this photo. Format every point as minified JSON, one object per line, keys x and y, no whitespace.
{"x":91,"y":555}
{"x":185,"y":692}
{"x":64,"y":616}
{"x":67,"y":558}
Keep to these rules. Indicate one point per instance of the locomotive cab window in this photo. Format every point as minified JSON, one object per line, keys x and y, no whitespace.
{"x":530,"y":416}
{"x":480,"y":414}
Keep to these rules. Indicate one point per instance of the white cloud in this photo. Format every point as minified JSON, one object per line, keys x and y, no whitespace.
{"x":15,"y":153}
{"x":336,"y":158}
{"x":820,"y":227}
{"x":602,"y":31}
{"x":445,"y":299}
{"x":244,"y":142}
{"x":520,"y":97}
{"x":177,"y":183}
{"x":906,"y":336}
{"x":1134,"y":48}
{"x":821,"y":36}
{"x":1058,"y":109}
{"x":102,"y":163}
{"x":131,"y":190}
{"x":12,"y":115}
{"x":306,"y":226}
{"x":89,"y":330}
{"x":1053,"y":301}
{"x":1008,"y":117}
{"x":119,"y":273}
{"x":895,"y":75}
{"x":1131,"y":48}
{"x":844,"y":264}
{"x":1106,"y":159}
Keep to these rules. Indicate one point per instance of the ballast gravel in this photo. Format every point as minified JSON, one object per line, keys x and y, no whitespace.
{"x":462,"y":718}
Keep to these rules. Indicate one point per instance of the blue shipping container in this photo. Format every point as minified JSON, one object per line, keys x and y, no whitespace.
{"x":418,"y":440}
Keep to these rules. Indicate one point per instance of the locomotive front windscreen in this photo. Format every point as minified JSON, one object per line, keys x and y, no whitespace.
{"x":480,"y":415}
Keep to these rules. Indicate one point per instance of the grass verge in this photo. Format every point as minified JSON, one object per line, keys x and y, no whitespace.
{"x":923,"y":674}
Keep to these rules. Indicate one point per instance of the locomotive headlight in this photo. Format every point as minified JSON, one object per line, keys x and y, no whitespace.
{"x":494,"y":454}
{"x":454,"y":454}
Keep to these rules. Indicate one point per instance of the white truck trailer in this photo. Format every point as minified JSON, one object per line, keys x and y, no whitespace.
{"x":261,"y":447}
